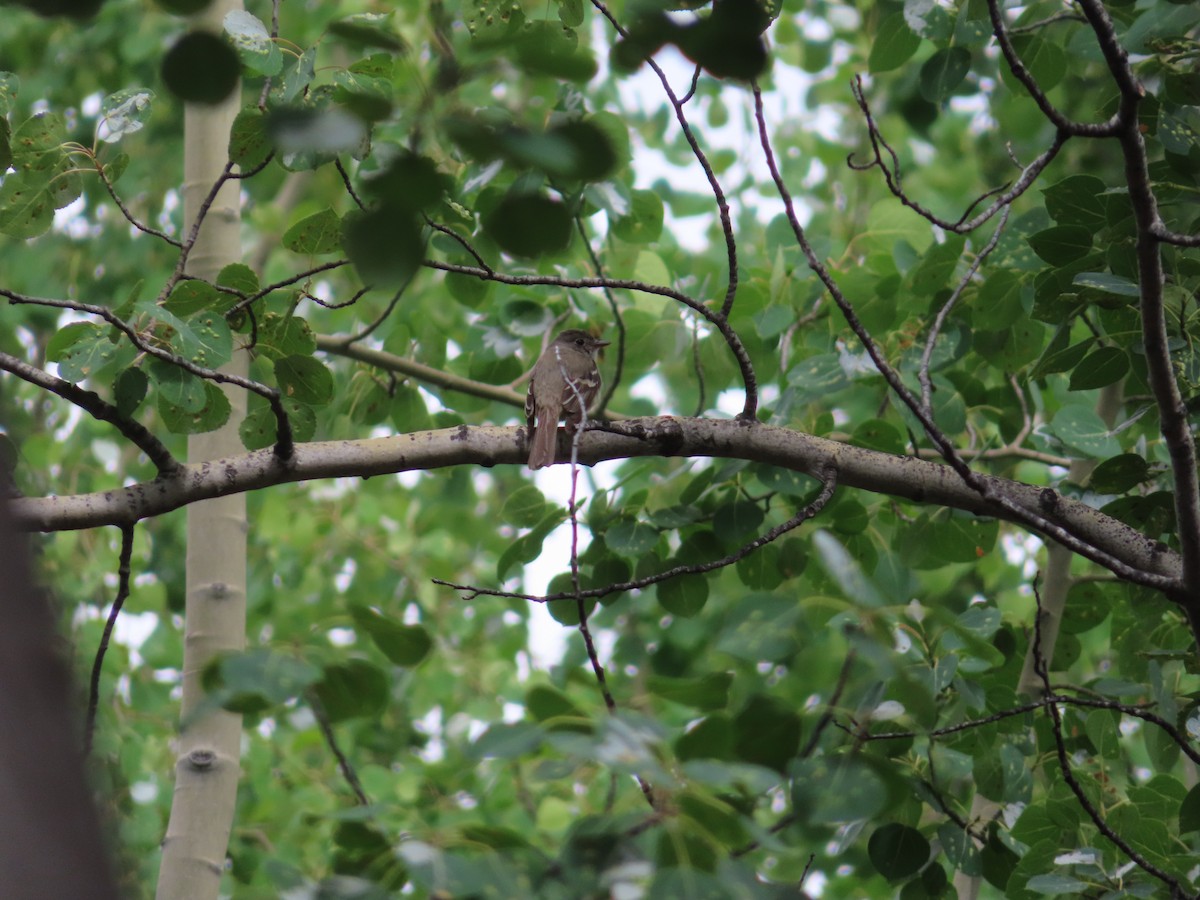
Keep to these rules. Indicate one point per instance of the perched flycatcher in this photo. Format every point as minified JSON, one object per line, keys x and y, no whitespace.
{"x":565,"y":382}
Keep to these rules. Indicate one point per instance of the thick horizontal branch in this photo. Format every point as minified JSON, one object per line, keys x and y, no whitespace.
{"x":899,"y":476}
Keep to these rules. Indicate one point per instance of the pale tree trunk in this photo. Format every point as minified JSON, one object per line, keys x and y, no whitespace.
{"x":207,"y":768}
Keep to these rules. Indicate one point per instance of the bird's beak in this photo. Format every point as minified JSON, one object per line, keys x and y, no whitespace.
{"x":600,"y":343}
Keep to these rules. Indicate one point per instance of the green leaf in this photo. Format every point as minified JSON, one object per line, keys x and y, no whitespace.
{"x":1080,"y":427}
{"x":1045,"y":59}
{"x":281,"y":336}
{"x":1089,"y":603}
{"x":937,"y":265}
{"x":897,"y":851}
{"x":767,"y":732}
{"x":1101,"y":367}
{"x":408,"y":410}
{"x":1053,"y":884}
{"x":35,"y":137}
{"x":524,"y":507}
{"x":201,"y":68}
{"x":508,"y":741}
{"x":893,"y":46}
{"x":124,"y":112}
{"x":129,"y":390}
{"x":548,"y":49}
{"x":943,"y":72}
{"x":304,"y":379}
{"x":1109,"y":283}
{"x":409,"y":182}
{"x":545,"y":702}
{"x":213,"y":412}
{"x":385,"y":245}
{"x":1062,"y":243}
{"x":1119,"y":474}
{"x":10,"y":86}
{"x":845,"y":570}
{"x":80,"y":349}
{"x":352,"y":690}
{"x":26,"y":210}
{"x":298,"y":75}
{"x":684,"y":595}
{"x":369,"y":29}
{"x":644,"y":223}
{"x":1077,"y":200}
{"x":177,"y":386}
{"x":529,"y":225}
{"x":1013,"y":348}
{"x":249,"y":143}
{"x":253,"y":42}
{"x":707,"y":692}
{"x":527,"y":548}
{"x":1189,"y":811}
{"x":998,"y":303}
{"x":316,"y":234}
{"x":258,"y":429}
{"x":876,"y":434}
{"x":404,"y":645}
{"x":256,"y":680}
{"x":631,"y":539}
{"x":202,"y":338}
{"x":835,"y":789}
{"x":760,"y":627}
{"x":186,"y":299}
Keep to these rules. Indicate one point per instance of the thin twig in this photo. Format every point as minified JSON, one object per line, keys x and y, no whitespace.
{"x":948,"y":306}
{"x":891,"y":175}
{"x":344,"y":764}
{"x":1068,"y":773}
{"x":128,"y":214}
{"x":123,"y":572}
{"x":618,"y":370}
{"x":834,"y":699}
{"x":949,"y":453}
{"x":829,"y":482}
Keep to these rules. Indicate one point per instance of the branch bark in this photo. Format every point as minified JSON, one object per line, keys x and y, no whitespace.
{"x":1144,"y":560}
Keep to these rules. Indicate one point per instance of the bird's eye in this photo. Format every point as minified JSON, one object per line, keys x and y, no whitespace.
{"x":579,"y":341}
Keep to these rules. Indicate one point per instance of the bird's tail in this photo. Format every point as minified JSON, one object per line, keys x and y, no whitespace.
{"x":543,"y":444}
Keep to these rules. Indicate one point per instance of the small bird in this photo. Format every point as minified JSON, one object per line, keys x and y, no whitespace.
{"x":565,"y":382}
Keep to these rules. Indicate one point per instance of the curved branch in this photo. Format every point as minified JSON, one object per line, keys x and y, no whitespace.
{"x":1023,"y":75}
{"x":1112,"y":543}
{"x":99,"y":409}
{"x":719,"y":194}
{"x":891,"y":175}
{"x":1030,"y":517}
{"x":1172,"y":412}
{"x":1160,"y":231}
{"x":284,"y":442}
{"x":127,"y":213}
